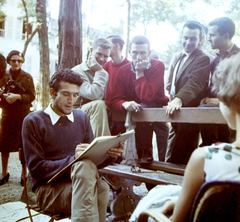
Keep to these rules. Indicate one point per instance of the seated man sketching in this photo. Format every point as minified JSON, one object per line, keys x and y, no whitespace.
{"x":50,"y":140}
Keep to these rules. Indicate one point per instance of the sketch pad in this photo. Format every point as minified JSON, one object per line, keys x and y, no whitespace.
{"x":97,"y":150}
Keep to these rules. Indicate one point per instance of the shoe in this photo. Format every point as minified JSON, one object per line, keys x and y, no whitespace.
{"x":4,"y":179}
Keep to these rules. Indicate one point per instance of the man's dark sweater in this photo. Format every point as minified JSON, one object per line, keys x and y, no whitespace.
{"x":49,"y":148}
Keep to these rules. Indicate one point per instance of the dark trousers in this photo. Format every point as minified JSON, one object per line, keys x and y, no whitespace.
{"x":115,"y":127}
{"x":144,"y":133}
{"x":182,"y":141}
{"x":143,"y":136}
{"x":212,"y":133}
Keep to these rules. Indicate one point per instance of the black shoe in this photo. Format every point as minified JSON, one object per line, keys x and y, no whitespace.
{"x":4,"y":179}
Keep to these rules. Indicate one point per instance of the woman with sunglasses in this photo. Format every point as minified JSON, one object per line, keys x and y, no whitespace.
{"x":18,"y":92}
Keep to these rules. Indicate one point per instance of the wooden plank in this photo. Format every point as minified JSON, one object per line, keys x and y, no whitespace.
{"x":146,"y":176}
{"x":184,"y":115}
{"x":166,"y":167}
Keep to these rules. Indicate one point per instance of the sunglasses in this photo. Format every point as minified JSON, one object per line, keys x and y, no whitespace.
{"x":16,"y":60}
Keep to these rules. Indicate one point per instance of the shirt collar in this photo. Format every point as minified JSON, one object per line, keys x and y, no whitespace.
{"x":226,"y":53}
{"x":148,"y":67}
{"x":55,"y":117}
{"x":122,"y":59}
{"x":85,"y":67}
{"x":187,"y":54}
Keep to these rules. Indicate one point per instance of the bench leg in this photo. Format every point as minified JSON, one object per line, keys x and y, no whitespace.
{"x":125,"y":201}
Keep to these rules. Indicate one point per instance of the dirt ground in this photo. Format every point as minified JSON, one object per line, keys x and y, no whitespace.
{"x":12,"y":191}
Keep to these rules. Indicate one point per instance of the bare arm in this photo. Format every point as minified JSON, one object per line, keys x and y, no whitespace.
{"x":193,"y":179}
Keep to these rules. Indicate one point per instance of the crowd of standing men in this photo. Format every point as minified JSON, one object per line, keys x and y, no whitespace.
{"x":139,"y":84}
{"x":84,"y":97}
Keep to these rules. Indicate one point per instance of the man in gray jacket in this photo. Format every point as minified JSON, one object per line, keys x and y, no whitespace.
{"x":93,"y":89}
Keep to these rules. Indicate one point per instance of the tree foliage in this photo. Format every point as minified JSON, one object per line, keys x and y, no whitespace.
{"x":149,"y":11}
{"x":2,"y":14}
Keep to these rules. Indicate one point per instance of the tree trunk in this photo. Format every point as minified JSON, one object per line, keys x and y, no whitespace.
{"x":29,"y":39}
{"x":29,"y":36}
{"x":128,"y":26}
{"x":70,"y":33}
{"x":44,"y":53}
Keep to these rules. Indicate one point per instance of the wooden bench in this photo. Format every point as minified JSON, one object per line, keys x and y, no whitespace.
{"x":121,"y":176}
{"x":143,"y":175}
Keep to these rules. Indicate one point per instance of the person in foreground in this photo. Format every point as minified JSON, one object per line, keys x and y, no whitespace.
{"x":220,"y":161}
{"x":51,"y":139}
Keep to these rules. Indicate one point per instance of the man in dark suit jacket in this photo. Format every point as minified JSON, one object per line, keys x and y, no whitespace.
{"x":187,"y":80}
{"x":221,"y":31}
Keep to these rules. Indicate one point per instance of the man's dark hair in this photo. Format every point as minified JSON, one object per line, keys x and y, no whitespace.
{"x":194,"y":25}
{"x":101,"y":42}
{"x":116,"y":39}
{"x":64,"y":75}
{"x":225,"y":25}
{"x":138,"y":40}
{"x":3,"y":66}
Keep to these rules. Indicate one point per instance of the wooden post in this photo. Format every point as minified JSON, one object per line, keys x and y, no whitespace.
{"x":129,"y":154}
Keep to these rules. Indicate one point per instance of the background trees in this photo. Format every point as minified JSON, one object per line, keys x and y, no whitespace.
{"x":2,"y":14}
{"x":70,"y":33}
{"x":44,"y":72}
{"x":160,"y":20}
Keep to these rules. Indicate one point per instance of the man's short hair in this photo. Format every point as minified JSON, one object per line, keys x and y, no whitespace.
{"x":226,"y":81}
{"x":194,"y":25}
{"x":101,"y":42}
{"x":116,"y":39}
{"x":3,"y":66}
{"x":138,"y":40}
{"x":64,"y":75}
{"x":225,"y":25}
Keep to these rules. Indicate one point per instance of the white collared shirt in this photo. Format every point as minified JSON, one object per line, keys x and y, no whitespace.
{"x":55,"y":117}
{"x":186,"y":57}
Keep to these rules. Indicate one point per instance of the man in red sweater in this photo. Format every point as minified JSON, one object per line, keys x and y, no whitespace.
{"x":140,"y":84}
{"x":112,"y":67}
